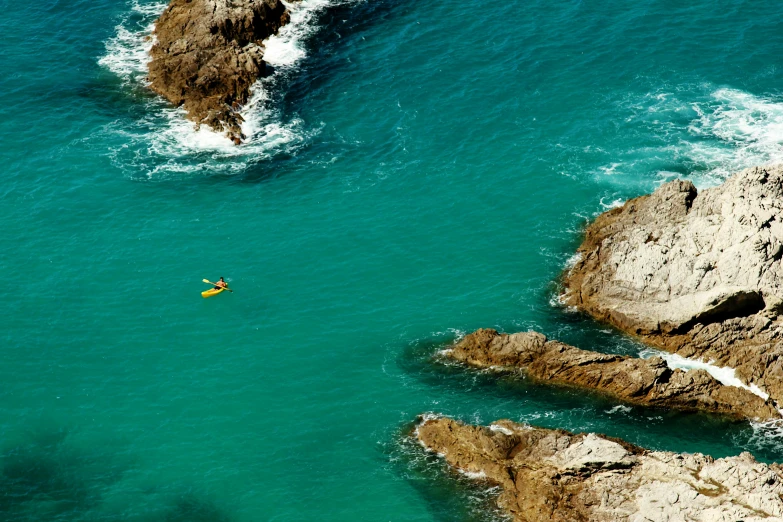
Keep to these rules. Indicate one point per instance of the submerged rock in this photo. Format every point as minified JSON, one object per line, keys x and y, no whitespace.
{"x":208,"y":54}
{"x":697,"y":273}
{"x":647,"y":382}
{"x":552,"y":475}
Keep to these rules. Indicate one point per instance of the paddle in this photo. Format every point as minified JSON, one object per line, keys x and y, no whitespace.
{"x":215,"y":284}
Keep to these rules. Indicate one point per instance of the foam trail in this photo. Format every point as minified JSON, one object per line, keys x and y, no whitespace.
{"x":573,"y":260}
{"x":286,"y":48}
{"x":722,"y":374}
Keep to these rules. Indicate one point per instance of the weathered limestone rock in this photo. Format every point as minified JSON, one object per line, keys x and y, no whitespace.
{"x":639,"y":381}
{"x":699,"y":274}
{"x":555,"y":476}
{"x":209,"y":53}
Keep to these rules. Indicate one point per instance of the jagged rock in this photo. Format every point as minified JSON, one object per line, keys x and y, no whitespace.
{"x":638,"y":381}
{"x":699,"y":274}
{"x":209,"y":53}
{"x":555,"y":476}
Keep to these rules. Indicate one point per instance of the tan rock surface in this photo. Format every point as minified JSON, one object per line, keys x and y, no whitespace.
{"x":638,"y":381}
{"x":697,"y":273}
{"x":209,"y":53}
{"x":556,"y":476}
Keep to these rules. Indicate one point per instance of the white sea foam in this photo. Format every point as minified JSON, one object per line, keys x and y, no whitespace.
{"x":500,"y":429}
{"x":428,"y":416}
{"x":620,"y":408}
{"x":573,"y":260}
{"x":722,"y":374}
{"x":766,"y":435}
{"x":558,"y":300}
{"x":165,"y":142}
{"x":474,"y":475}
{"x":127,"y":53}
{"x":615,"y":203}
{"x":712,"y":132}
{"x":451,"y":332}
{"x":609,"y":169}
{"x":286,"y":48}
{"x":753,"y":125}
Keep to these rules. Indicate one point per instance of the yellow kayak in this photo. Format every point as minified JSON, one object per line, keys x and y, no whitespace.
{"x":211,"y":292}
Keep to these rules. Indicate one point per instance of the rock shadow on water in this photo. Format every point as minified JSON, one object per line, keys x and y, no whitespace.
{"x":47,"y":478}
{"x":292,"y":91}
{"x":580,"y":330}
{"x":113,"y":98}
{"x":340,"y":28}
{"x":191,"y":507}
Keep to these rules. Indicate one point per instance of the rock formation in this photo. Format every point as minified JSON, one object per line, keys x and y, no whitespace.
{"x":555,"y":476}
{"x":697,"y":273}
{"x":209,"y":53}
{"x":638,"y":381}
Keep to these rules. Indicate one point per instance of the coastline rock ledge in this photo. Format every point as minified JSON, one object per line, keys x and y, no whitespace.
{"x":209,"y":53}
{"x":696,"y":273}
{"x":646,"y":382}
{"x":555,"y":476}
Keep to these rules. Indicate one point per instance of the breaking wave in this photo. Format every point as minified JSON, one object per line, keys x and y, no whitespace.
{"x":127,"y":53}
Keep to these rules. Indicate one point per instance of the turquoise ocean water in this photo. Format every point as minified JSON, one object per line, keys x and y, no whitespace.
{"x":415,"y":171}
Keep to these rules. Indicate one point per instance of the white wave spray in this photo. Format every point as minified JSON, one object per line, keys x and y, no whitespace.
{"x":164,"y":142}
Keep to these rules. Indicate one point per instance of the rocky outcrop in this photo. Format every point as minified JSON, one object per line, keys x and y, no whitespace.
{"x":555,"y":476}
{"x":647,"y":382}
{"x":208,"y":54}
{"x":697,"y":273}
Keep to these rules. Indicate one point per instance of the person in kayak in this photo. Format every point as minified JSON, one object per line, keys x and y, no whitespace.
{"x":221,"y":284}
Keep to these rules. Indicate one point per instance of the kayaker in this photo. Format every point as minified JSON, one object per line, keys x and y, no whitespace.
{"x":221,"y":284}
